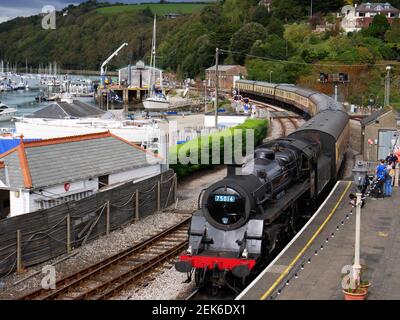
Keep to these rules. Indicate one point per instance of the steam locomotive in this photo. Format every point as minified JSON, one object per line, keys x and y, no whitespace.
{"x":243,"y":217}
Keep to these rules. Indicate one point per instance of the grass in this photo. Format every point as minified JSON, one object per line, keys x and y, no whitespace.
{"x":157,"y":8}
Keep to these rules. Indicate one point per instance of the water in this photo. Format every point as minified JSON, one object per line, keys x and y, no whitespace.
{"x":25,"y":103}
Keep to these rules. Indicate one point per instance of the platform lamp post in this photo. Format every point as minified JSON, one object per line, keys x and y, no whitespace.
{"x":387,"y":87}
{"x":270,"y":76}
{"x":359,"y":173}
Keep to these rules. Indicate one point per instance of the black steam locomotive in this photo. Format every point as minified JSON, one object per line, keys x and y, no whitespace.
{"x":243,"y":217}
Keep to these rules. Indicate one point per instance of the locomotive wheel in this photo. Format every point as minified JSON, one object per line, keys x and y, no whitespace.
{"x":199,"y":277}
{"x":293,"y":224}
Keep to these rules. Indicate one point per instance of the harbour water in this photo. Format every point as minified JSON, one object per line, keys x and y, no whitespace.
{"x":24,"y":100}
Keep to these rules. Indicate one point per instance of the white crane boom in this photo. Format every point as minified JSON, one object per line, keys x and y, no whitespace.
{"x":102,"y":70}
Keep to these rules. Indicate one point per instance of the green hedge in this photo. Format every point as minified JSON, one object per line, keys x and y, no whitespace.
{"x":260,"y":128}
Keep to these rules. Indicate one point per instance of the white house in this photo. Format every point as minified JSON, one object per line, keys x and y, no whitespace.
{"x":358,"y":17}
{"x":41,"y":174}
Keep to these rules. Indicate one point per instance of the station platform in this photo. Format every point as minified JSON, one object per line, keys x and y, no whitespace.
{"x":310,"y":266}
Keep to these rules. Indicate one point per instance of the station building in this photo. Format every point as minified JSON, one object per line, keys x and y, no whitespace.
{"x":379,"y":134}
{"x":42,"y":174}
{"x":228,"y":74}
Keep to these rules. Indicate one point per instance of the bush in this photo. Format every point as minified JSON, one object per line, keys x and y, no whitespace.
{"x":184,"y":169}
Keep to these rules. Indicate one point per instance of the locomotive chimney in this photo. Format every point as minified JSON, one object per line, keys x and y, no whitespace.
{"x":234,"y":169}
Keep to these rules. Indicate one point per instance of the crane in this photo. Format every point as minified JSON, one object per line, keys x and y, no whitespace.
{"x":102,"y":68}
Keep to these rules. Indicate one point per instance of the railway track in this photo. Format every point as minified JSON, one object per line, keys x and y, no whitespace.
{"x":108,"y":277}
{"x":287,"y":124}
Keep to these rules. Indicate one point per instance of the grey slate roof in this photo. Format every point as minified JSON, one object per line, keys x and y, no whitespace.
{"x":374,"y":116}
{"x":60,"y":161}
{"x":385,"y":7}
{"x":223,"y":67}
{"x":62,"y":110}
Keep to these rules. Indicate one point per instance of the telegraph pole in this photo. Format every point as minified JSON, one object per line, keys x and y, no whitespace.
{"x":216,"y":86}
{"x":387,"y":87}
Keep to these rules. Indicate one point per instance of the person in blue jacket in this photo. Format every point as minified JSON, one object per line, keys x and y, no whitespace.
{"x":381,"y":177}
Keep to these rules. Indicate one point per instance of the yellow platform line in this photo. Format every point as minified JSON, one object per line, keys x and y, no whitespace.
{"x":301,"y":253}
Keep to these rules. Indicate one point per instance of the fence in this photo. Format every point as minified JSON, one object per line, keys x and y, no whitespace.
{"x":36,"y":237}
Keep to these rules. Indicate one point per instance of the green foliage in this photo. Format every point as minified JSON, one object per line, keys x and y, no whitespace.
{"x":193,"y":148}
{"x":275,"y":27}
{"x":297,"y":32}
{"x":281,"y":72}
{"x":244,"y":38}
{"x":378,"y":27}
{"x":274,"y":48}
{"x":392,"y":35}
{"x":288,"y":10}
{"x":157,"y":8}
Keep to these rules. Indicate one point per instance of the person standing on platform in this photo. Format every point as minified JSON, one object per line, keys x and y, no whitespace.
{"x":388,"y":180}
{"x":380,"y":177}
{"x":397,"y":168}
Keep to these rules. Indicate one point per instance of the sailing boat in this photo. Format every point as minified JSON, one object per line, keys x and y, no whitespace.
{"x":156,"y":100}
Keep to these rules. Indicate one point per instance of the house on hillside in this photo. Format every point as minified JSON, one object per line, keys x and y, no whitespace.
{"x":41,"y":174}
{"x":228,"y":74}
{"x":266,"y":3}
{"x":360,"y":16}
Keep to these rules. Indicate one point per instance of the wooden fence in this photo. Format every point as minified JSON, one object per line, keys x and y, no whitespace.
{"x":36,"y":237}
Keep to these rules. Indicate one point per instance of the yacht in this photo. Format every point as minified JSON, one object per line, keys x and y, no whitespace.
{"x":157,"y":100}
{"x":6,"y":113}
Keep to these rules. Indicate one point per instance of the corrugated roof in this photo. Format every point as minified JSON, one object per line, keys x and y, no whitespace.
{"x":374,"y":116}
{"x":62,"y":110}
{"x":55,"y":161}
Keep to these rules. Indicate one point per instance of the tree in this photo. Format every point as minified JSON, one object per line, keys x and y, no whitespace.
{"x":378,"y":27}
{"x":244,"y":38}
{"x":393,"y":34}
{"x":297,"y":33}
{"x":276,"y":27}
{"x":260,"y":15}
{"x":288,"y":10}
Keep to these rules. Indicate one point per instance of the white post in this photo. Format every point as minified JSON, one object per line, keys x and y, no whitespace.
{"x":336,"y":92}
{"x":216,"y":86}
{"x":357,"y":266}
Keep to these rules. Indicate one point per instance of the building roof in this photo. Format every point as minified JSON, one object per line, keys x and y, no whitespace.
{"x":44,"y":163}
{"x":62,"y":110}
{"x":376,"y":7}
{"x":225,"y":67}
{"x":375,"y":115}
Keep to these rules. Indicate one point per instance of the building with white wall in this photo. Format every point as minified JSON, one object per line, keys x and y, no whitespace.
{"x":361,"y":16}
{"x":42,"y":174}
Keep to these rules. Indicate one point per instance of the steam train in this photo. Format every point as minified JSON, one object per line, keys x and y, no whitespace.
{"x":243,"y":217}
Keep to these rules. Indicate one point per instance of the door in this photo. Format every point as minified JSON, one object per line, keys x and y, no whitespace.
{"x":386,"y":141}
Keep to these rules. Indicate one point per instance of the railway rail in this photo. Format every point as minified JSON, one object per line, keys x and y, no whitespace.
{"x":283,"y":121}
{"x":108,"y":277}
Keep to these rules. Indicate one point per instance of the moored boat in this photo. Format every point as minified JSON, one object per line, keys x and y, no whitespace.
{"x":6,"y":113}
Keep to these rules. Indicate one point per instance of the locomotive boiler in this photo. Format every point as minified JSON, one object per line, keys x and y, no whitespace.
{"x":244,"y":216}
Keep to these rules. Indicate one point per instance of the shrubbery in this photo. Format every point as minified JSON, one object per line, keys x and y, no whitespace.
{"x":193,"y":148}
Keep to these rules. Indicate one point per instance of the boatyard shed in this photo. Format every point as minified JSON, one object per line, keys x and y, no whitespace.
{"x":42,"y":174}
{"x":378,"y":134}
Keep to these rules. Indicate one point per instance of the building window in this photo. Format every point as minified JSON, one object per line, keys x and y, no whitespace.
{"x":103,"y":181}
